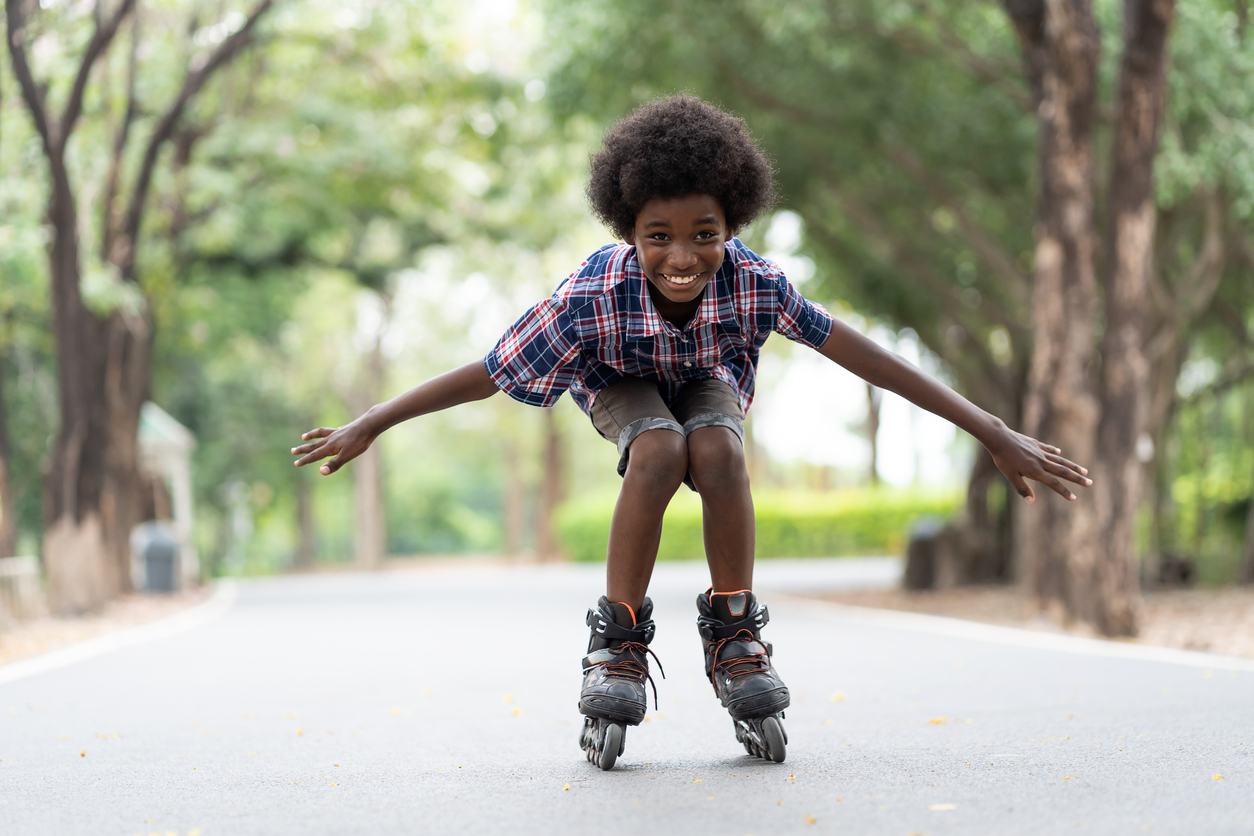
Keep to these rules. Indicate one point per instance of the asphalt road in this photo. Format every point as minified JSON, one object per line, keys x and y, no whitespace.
{"x":443,"y":701}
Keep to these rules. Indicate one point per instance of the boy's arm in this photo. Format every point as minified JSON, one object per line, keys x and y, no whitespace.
{"x":467,"y":383}
{"x":1018,"y":456}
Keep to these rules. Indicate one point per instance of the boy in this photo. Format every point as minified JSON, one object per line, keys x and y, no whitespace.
{"x":657,"y":339}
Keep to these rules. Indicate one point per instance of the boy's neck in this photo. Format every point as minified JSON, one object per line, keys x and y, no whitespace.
{"x":678,"y":314}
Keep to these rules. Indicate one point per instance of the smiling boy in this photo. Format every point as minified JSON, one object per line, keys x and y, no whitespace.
{"x":657,"y":340}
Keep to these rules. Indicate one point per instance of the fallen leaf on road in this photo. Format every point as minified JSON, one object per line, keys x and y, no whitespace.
{"x":1068,"y":777}
{"x":941,"y":808}
{"x":697,"y":780}
{"x":517,"y":711}
{"x":82,"y":754}
{"x":936,"y":721}
{"x":565,"y":788}
{"x":299,"y":732}
{"x":1218,"y":778}
{"x":808,"y":819}
{"x":838,"y":696}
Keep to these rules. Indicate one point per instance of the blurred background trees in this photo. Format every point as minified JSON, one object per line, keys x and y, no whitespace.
{"x":366,"y":194}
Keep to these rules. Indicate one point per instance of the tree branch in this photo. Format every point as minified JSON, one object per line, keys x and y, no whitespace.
{"x":108,"y":226}
{"x":99,"y":42}
{"x":31,"y":93}
{"x":986,"y":247}
{"x":1195,"y":291}
{"x":990,"y":72}
{"x":165,"y":129}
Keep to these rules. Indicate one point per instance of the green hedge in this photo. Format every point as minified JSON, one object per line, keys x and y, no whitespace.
{"x":831,"y":524}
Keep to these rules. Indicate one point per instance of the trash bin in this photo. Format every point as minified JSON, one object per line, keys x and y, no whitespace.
{"x":161,"y":554}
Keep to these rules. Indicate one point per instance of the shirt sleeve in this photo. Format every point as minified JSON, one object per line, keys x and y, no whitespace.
{"x":538,"y":357}
{"x":798,"y":318}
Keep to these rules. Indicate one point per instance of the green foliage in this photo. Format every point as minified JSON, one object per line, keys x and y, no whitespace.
{"x":789,"y":524}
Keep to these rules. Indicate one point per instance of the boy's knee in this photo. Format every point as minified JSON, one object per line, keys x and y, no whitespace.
{"x":716,"y":458}
{"x":659,"y":457}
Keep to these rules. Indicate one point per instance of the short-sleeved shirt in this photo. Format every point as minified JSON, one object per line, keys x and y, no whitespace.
{"x":601,"y":325}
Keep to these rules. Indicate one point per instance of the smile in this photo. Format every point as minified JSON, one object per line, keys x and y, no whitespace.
{"x":681,"y":279}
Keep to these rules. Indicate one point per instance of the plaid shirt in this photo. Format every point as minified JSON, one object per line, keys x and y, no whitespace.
{"x":600,"y":325}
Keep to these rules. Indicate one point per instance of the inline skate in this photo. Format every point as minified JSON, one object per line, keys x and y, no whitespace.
{"x":615,"y":671}
{"x":738,"y":664}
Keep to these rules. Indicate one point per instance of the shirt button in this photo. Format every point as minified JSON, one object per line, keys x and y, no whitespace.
{"x":687,"y":364}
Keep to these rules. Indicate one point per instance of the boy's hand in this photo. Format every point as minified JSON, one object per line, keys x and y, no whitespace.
{"x":1022,"y":457}
{"x":345,"y":444}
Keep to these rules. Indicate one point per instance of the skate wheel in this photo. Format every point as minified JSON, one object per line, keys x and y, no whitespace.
{"x":773,"y":732}
{"x":611,"y":745}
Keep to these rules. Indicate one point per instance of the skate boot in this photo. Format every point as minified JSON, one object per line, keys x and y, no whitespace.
{"x":615,"y":671}
{"x":738,"y":664}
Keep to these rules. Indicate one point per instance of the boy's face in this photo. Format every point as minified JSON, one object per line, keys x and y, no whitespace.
{"x":679,"y":241}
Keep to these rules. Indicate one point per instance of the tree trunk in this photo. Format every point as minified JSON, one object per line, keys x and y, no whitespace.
{"x":552,"y":490}
{"x":873,"y":398}
{"x":1061,"y":47}
{"x":1246,"y":575}
{"x":1105,"y":579}
{"x":8,"y":502}
{"x":92,"y":491}
{"x":513,"y":500}
{"x":370,"y":532}
{"x":307,"y":532}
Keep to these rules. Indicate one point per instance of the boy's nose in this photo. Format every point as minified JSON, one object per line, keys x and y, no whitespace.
{"x":683,"y":259}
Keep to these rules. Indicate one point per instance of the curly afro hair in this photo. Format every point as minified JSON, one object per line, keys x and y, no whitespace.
{"x":676,"y":147}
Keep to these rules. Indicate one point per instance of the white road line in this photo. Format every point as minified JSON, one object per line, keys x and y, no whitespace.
{"x":936,"y":625}
{"x":223,"y":598}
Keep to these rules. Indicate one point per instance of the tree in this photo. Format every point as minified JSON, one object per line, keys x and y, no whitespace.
{"x":103,"y":355}
{"x":905,"y":136}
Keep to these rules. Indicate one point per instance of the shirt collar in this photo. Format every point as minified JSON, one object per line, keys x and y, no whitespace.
{"x":716,"y":304}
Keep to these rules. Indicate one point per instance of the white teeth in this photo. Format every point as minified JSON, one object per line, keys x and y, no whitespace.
{"x":679,"y":279}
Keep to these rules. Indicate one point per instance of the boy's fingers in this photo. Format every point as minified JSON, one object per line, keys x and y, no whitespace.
{"x":1067,"y":473}
{"x":1066,"y":463}
{"x":1059,"y":488}
{"x":319,"y":452}
{"x":307,"y":448}
{"x":321,"y":432}
{"x":1023,"y":488}
{"x":330,"y":467}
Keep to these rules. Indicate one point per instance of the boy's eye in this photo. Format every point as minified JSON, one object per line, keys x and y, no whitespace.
{"x":704,"y":235}
{"x":659,"y":236}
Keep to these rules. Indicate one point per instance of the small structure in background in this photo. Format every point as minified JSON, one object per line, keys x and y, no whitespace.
{"x":163,"y":557}
{"x":21,"y":595}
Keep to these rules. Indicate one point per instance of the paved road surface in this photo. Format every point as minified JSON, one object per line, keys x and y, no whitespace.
{"x":443,"y":701}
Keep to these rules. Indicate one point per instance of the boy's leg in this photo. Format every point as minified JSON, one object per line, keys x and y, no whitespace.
{"x":653,"y":461}
{"x":716,"y":461}
{"x":655,"y":470}
{"x":711,"y":413}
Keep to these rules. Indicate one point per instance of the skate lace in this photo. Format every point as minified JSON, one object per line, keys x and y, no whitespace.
{"x":629,"y":668}
{"x":740,"y":665}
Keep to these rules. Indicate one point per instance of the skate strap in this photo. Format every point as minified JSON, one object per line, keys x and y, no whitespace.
{"x":627,"y":659}
{"x":713,"y":630}
{"x":741,"y":655}
{"x":605,"y":627}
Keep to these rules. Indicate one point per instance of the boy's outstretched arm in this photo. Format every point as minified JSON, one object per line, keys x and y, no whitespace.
{"x":466,"y":383}
{"x":1018,"y":456}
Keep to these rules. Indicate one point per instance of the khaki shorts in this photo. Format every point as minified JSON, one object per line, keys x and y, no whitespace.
{"x":633,"y":405}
